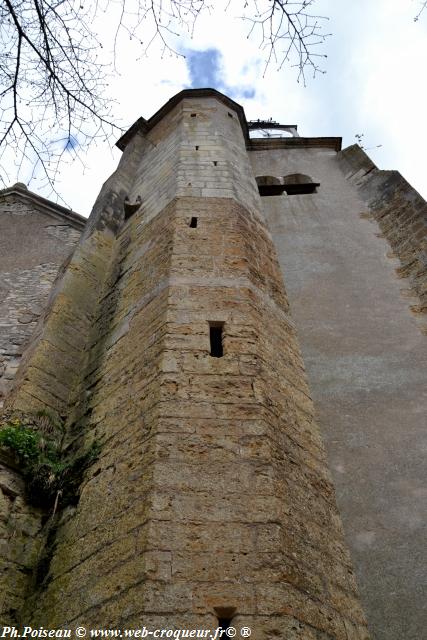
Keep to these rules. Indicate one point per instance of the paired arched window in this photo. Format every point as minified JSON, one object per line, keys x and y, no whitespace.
{"x":292,"y":184}
{"x":269,"y":186}
{"x":296,"y":183}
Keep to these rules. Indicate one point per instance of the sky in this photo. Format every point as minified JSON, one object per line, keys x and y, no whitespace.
{"x":373,"y":85}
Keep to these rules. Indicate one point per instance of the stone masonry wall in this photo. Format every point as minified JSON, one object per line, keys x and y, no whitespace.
{"x":211,"y":492}
{"x":402,"y":217}
{"x":54,"y":366}
{"x":251,"y":492}
{"x":21,"y":540}
{"x":33,"y":245}
{"x":198,"y":149}
{"x":99,"y":550}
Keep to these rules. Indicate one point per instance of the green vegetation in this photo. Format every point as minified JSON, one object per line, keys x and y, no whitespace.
{"x":52,"y":474}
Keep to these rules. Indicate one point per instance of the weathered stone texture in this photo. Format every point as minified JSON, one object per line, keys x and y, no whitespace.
{"x":202,"y":153}
{"x":35,"y":238}
{"x":54,"y":366}
{"x":211,"y":490}
{"x":33,"y":245}
{"x":402,"y":217}
{"x":21,"y":540}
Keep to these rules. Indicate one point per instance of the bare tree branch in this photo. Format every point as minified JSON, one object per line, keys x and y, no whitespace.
{"x":52,"y":100}
{"x":289,"y":33}
{"x":52,"y":95}
{"x":422,"y":7}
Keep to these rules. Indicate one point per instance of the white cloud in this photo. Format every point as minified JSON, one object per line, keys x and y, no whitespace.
{"x":373,"y":85}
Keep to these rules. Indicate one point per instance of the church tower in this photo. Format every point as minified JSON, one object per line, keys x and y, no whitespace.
{"x":168,"y":341}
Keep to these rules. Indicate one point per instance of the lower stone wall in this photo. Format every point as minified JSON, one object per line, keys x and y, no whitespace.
{"x":21,"y":540}
{"x":99,"y":562}
{"x":211,"y":492}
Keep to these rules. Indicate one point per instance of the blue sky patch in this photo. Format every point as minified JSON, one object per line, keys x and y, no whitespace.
{"x":206,"y":71}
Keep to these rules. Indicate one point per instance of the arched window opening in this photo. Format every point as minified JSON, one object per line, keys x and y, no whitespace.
{"x":298,"y":183}
{"x":269,"y":186}
{"x":131,"y":207}
{"x":225,"y":616}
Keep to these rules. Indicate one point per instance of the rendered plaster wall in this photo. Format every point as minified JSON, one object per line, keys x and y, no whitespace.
{"x":211,"y":492}
{"x":366,"y":362}
{"x":33,"y":245}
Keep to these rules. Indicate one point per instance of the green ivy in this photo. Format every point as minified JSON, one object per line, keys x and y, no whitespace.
{"x":23,"y":442}
{"x":53,"y":475}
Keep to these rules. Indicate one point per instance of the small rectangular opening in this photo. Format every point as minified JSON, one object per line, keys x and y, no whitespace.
{"x":296,"y":189}
{"x":229,"y":115}
{"x":215,"y":335}
{"x":193,"y":115}
{"x":215,"y":162}
{"x":193,"y":223}
{"x":197,"y":147}
{"x":224,"y":623}
{"x":270,"y":189}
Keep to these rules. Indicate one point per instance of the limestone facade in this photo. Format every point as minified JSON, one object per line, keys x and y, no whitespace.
{"x":211,"y":497}
{"x":36,"y":236}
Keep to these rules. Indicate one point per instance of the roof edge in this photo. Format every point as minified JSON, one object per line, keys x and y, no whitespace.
{"x":48,"y":206}
{"x":145,"y":125}
{"x":279,"y":143}
{"x":139,"y":125}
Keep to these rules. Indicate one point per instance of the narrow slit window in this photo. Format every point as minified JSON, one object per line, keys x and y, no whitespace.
{"x":224,"y":623}
{"x":225,"y":617}
{"x":269,"y":186}
{"x":215,"y":335}
{"x":193,"y":223}
{"x":193,"y":115}
{"x":197,"y":147}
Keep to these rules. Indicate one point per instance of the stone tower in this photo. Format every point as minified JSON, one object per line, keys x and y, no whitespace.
{"x":168,"y":340}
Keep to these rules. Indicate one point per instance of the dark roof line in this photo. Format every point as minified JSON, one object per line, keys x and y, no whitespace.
{"x":143,"y":125}
{"x":44,"y":204}
{"x":279,"y":143}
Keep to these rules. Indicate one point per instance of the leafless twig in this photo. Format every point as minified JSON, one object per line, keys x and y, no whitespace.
{"x":51,"y":101}
{"x":52,"y":84}
{"x":423,"y":6}
{"x":289,"y":33}
{"x":359,"y":137}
